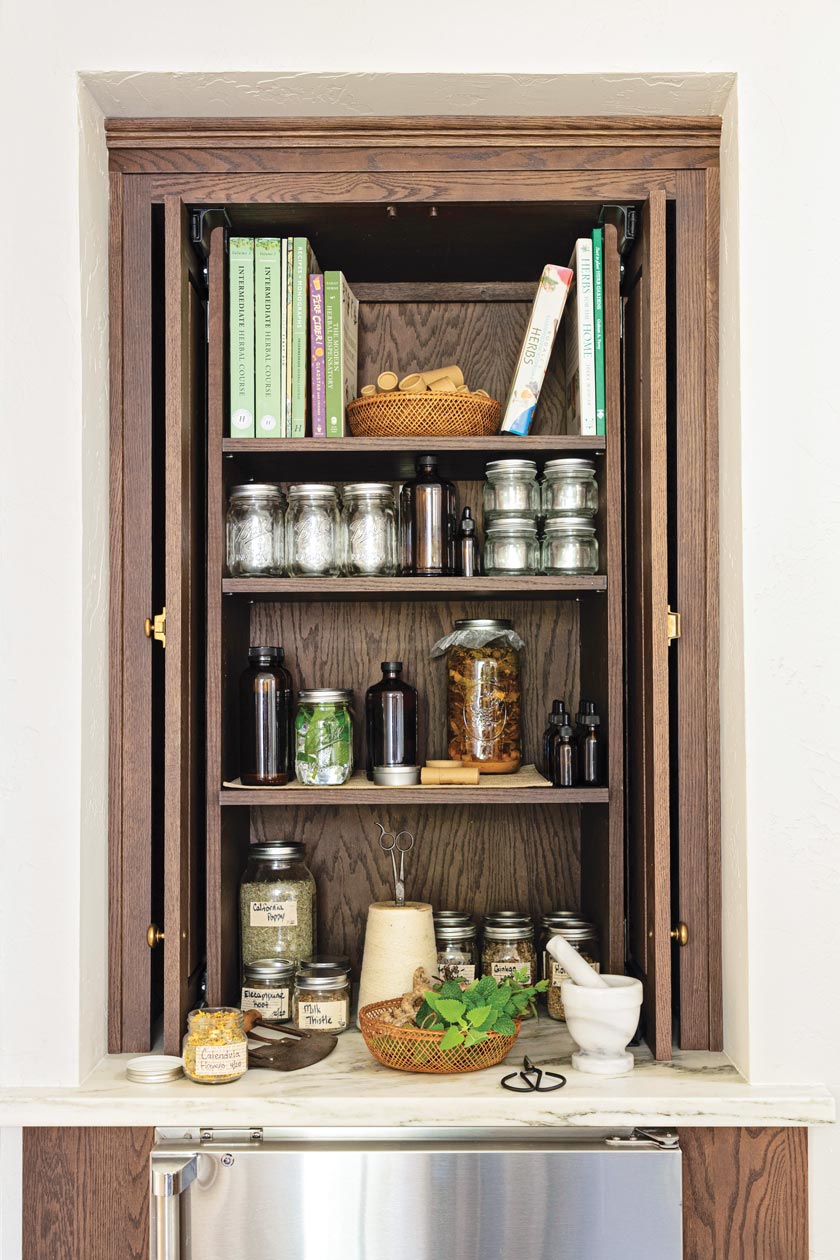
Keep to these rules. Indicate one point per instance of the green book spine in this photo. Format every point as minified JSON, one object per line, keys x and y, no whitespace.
{"x":334,"y":396}
{"x":287,"y":421}
{"x":304,"y":263}
{"x":241,"y":336}
{"x":267,"y":336}
{"x":284,"y":335}
{"x":598,"y":300}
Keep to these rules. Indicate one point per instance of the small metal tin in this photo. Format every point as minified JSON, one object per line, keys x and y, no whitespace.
{"x":396,"y":776}
{"x":154,"y":1069}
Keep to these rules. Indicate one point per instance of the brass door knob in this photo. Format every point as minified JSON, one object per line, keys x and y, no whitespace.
{"x":154,"y":936}
{"x":680,"y":934}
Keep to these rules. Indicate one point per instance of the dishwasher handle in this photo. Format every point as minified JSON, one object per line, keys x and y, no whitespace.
{"x":171,"y":1178}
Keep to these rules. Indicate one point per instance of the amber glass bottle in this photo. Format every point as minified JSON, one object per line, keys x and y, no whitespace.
{"x":264,"y":719}
{"x":391,"y":720}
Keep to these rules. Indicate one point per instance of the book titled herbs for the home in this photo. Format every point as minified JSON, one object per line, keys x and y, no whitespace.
{"x":341,"y":347}
{"x":536,"y":349}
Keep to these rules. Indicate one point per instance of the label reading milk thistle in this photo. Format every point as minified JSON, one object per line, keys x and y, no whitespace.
{"x":274,"y":914}
{"x":506,"y":970}
{"x":221,"y":1060}
{"x":273,"y":1003}
{"x":323,"y":1016}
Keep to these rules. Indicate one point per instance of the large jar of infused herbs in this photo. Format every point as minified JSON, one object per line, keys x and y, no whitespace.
{"x":484,"y":694}
{"x":324,"y":736}
{"x":277,"y":904}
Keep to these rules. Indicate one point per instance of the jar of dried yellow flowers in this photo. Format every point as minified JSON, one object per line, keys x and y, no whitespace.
{"x":215,"y":1046}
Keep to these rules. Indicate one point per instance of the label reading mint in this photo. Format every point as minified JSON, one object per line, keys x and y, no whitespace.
{"x":274,"y":914}
{"x":326,"y":1016}
{"x":273,"y":1003}
{"x":506,"y":970}
{"x":221,"y":1060}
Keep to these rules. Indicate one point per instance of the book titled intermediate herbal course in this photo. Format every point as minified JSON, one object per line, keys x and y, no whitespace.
{"x":241,"y":336}
{"x":536,"y":349}
{"x":268,"y":327}
{"x":341,"y":346}
{"x":580,"y":345}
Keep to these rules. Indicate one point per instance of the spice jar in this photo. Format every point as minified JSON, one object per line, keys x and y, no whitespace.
{"x":267,"y":988}
{"x":578,"y":932}
{"x":508,"y":950}
{"x":569,"y":488}
{"x":484,"y":694}
{"x":457,"y":950}
{"x":324,"y":736}
{"x":321,"y":1000}
{"x":254,"y":531}
{"x":569,"y":546}
{"x":511,"y":489}
{"x":313,"y":542}
{"x":277,"y":904}
{"x":510,"y":546}
{"x":369,"y":529}
{"x":215,"y":1048}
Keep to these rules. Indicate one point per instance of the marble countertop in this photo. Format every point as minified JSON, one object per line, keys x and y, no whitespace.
{"x":350,"y":1089}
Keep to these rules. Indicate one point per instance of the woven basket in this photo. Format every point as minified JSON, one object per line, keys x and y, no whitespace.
{"x":424,"y":415}
{"x":418,"y":1050}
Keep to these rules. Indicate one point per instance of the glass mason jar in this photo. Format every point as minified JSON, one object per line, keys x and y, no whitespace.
{"x":313,"y":531}
{"x":569,"y":488}
{"x":511,"y":489}
{"x":324,"y":736}
{"x":267,"y":988}
{"x":569,"y":545}
{"x":584,"y":937}
{"x":510,"y":546}
{"x":265,"y":719}
{"x":369,"y":529}
{"x":215,"y":1047}
{"x":254,"y":531}
{"x":321,"y":1000}
{"x":509,"y":949}
{"x":484,"y":698}
{"x":277,"y":904}
{"x":457,"y":950}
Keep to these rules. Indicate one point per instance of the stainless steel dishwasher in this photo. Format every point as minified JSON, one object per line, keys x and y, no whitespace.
{"x":376,"y":1194}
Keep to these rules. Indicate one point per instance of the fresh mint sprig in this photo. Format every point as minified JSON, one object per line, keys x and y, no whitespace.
{"x":468,"y":1016}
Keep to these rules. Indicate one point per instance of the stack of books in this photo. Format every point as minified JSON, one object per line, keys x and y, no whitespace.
{"x":293,"y":341}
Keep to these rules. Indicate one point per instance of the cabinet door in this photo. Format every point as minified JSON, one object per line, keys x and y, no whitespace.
{"x":184,"y":446}
{"x":646,"y":628}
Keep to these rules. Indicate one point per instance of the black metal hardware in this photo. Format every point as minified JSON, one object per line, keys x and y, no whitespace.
{"x":533,"y":1078}
{"x":202,"y":223}
{"x":623,"y":218}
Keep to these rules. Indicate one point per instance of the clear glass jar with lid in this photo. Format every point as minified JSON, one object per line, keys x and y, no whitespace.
{"x":508,"y":950}
{"x":578,"y":932}
{"x":484,"y":694}
{"x":511,"y":546}
{"x":313,"y":531}
{"x":277,"y":904}
{"x":569,"y":488}
{"x":511,"y":489}
{"x":215,"y":1047}
{"x":254,"y":531}
{"x":457,"y":950}
{"x":267,"y":988}
{"x":369,"y":529}
{"x":569,"y":546}
{"x":321,"y":1000}
{"x":324,"y":736}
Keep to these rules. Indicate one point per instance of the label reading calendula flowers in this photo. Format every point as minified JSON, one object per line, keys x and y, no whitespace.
{"x":221,"y":1060}
{"x":326,"y":1016}
{"x":273,"y":1003}
{"x":274,"y":914}
{"x":505,"y":970}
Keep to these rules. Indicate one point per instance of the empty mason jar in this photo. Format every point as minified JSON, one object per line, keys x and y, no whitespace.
{"x":510,"y":546}
{"x":569,"y":546}
{"x":313,"y":527}
{"x":569,"y":488}
{"x":254,"y":531}
{"x":369,"y":529}
{"x":511,"y":488}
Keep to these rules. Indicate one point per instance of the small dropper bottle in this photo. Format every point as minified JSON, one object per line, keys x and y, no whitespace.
{"x":557,"y":707}
{"x":589,"y":744}
{"x":564,"y":758}
{"x":468,"y":560}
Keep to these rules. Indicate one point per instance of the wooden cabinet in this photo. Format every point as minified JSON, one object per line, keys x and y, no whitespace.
{"x":442,"y":227}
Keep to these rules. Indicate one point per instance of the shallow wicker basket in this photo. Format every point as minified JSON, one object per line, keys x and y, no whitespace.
{"x":418,"y":1050}
{"x":424,"y":415}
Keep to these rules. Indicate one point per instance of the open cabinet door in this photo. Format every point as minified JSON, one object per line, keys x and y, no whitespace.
{"x":184,"y":822}
{"x":646,"y":624}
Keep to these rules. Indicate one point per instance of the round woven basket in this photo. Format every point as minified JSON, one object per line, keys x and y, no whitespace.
{"x":418,"y":1050}
{"x":424,"y":415}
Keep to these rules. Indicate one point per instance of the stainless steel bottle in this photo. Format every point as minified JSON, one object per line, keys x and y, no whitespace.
{"x":427,"y":523}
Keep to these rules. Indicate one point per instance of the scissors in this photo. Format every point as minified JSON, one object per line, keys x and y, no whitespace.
{"x":533,"y":1077}
{"x":394,"y":847}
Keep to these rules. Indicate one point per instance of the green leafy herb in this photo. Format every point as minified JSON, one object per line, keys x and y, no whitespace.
{"x":467,"y":1016}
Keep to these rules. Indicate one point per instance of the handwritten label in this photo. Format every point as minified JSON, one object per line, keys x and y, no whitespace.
{"x":274,"y":914}
{"x":221,"y":1060}
{"x":459,"y":971}
{"x":273,"y":1003}
{"x":326,"y":1016}
{"x":557,"y":972}
{"x":505,"y":970}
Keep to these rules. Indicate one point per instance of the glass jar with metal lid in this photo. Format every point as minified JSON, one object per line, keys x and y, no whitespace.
{"x":267,"y":988}
{"x":484,"y":694}
{"x":511,"y":546}
{"x":254,"y":531}
{"x":215,"y":1047}
{"x":277,"y":904}
{"x":569,"y":488}
{"x":511,"y":489}
{"x":313,"y":529}
{"x":499,"y":918}
{"x":584,"y":936}
{"x":369,"y":529}
{"x":321,"y":1000}
{"x":508,"y":950}
{"x":569,"y":545}
{"x":457,"y":950}
{"x":324,"y":736}
{"x":451,"y":916}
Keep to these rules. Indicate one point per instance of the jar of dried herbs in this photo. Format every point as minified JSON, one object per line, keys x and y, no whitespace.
{"x":321,"y":1000}
{"x":215,"y":1048}
{"x":277,"y":904}
{"x":267,"y":988}
{"x":578,"y":932}
{"x":324,"y":736}
{"x":508,"y":950}
{"x":457,"y":950}
{"x":484,"y":694}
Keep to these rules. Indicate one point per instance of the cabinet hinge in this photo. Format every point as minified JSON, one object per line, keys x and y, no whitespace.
{"x":665,"y":1139}
{"x":156,"y":627}
{"x":674,"y":625}
{"x":231,"y":1137}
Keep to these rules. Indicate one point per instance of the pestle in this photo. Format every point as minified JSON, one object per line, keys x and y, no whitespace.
{"x":577,"y":969}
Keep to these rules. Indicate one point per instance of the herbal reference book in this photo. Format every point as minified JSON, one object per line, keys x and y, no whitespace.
{"x":267,"y":332}
{"x":580,"y":344}
{"x":552,"y":291}
{"x":241,"y":297}
{"x":341,"y":347}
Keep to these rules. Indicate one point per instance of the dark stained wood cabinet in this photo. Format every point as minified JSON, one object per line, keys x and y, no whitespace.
{"x":639,"y":854}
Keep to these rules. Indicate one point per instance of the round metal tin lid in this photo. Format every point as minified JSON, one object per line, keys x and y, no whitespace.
{"x":570,"y":465}
{"x":511,"y":465}
{"x":269,"y":969}
{"x":567,"y":524}
{"x":256,"y":490}
{"x":484,"y":623}
{"x":326,"y":695}
{"x":276,"y":849}
{"x":456,"y":931}
{"x":316,"y":489}
{"x":508,"y":931}
{"x":154,"y":1069}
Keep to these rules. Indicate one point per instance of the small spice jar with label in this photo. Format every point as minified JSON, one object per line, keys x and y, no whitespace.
{"x":321,"y":1000}
{"x":457,"y":950}
{"x":578,"y":932}
{"x":215,"y":1049}
{"x":267,"y":988}
{"x":508,"y":950}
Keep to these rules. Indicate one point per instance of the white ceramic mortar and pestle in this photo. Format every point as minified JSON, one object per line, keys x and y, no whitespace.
{"x":602,"y":1012}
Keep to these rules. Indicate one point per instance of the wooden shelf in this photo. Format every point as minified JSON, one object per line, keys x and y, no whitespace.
{"x":409,"y":588}
{"x":315,"y":796}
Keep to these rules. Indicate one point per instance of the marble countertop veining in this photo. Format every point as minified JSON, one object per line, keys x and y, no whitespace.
{"x":350,"y":1089}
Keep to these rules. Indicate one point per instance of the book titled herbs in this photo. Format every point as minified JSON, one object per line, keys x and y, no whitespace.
{"x":341,"y":350}
{"x":580,"y":345}
{"x":537,"y":345}
{"x":318,"y":375}
{"x":241,"y":299}
{"x":267,"y":336}
{"x":303,"y":264}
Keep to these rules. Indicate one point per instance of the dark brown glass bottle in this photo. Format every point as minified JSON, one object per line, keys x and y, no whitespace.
{"x":558,"y":708}
{"x":427,"y":523}
{"x":391,"y":720}
{"x":589,"y":744}
{"x":264,"y":719}
{"x":564,"y":755}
